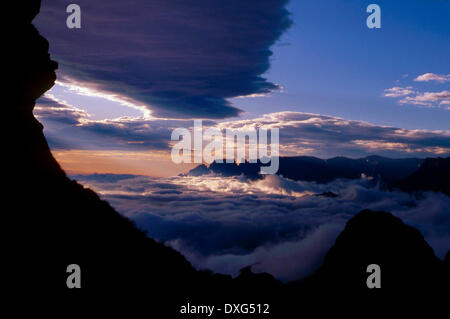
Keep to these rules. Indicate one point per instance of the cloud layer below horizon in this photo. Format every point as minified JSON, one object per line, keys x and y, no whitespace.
{"x":224,"y":224}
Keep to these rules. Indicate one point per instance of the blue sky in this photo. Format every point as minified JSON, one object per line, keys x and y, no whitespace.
{"x":329,"y":62}
{"x":137,"y":70}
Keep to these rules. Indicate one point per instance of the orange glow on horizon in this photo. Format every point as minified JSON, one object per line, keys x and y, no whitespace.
{"x":150,"y":163}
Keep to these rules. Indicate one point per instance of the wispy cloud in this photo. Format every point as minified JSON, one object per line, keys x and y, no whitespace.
{"x":300,"y":134}
{"x":427,"y":77}
{"x":398,"y":91}
{"x":94,"y":90}
{"x":52,"y":109}
{"x":412,"y":96}
{"x":428,"y":99}
{"x":327,"y":136}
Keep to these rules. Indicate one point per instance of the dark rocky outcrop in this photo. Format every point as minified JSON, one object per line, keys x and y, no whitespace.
{"x":55,"y":221}
{"x":373,"y":238}
{"x":412,"y":277}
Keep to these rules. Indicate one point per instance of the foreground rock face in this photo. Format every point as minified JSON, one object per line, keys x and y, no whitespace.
{"x":53,"y":222}
{"x":56,"y":222}
{"x":410,"y":272}
{"x":380,"y":238}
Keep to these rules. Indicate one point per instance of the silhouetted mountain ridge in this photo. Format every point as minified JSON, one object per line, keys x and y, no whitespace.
{"x":313,"y":169}
{"x":433,"y":175}
{"x":408,"y":265}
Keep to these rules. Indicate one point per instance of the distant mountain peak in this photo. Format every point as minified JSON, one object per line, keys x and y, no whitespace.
{"x":432,"y":175}
{"x":308,"y":168}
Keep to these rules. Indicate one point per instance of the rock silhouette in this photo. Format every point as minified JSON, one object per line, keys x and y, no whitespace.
{"x":410,"y":272}
{"x":433,"y":175}
{"x":372,"y":238}
{"x":52,"y":222}
{"x":313,"y":169}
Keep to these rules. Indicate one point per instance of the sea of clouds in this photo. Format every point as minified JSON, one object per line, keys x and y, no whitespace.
{"x":278,"y":225}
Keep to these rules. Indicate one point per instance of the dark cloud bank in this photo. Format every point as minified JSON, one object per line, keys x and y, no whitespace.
{"x":225,"y":224}
{"x":181,"y":58}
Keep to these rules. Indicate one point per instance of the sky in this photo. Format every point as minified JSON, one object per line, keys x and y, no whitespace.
{"x":136,"y":70}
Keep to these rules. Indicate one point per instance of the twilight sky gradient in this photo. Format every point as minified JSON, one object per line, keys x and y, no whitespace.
{"x":138,"y":69}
